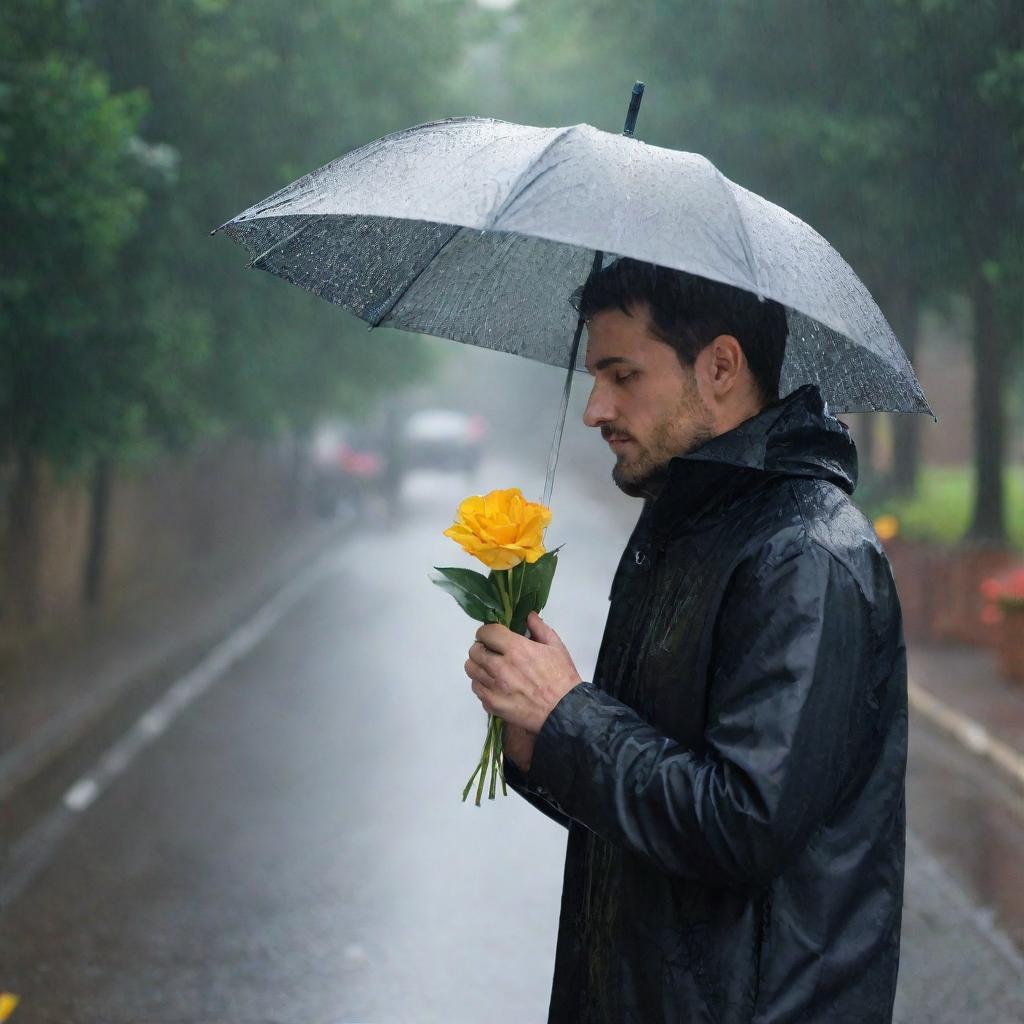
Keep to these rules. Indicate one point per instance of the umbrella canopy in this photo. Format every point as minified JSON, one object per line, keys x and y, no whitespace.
{"x":479,"y":230}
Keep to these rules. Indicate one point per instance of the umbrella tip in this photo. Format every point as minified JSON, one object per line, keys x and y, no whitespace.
{"x":634,"y":109}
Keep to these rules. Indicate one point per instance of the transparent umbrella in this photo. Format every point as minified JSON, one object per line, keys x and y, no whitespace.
{"x":480,"y":231}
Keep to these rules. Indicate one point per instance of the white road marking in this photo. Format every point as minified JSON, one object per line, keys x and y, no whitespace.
{"x":31,"y":853}
{"x":81,"y":794}
{"x":967,"y":731}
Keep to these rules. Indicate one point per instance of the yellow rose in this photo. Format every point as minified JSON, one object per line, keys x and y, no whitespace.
{"x":502,"y":528}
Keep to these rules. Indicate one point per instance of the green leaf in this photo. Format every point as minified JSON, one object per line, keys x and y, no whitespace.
{"x":540,"y":574}
{"x":536,"y":587}
{"x":469,"y":604}
{"x":475,"y":583}
{"x":527,"y":603}
{"x":473,"y":591}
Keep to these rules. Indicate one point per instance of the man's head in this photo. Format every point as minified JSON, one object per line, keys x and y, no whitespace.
{"x":677,"y":359}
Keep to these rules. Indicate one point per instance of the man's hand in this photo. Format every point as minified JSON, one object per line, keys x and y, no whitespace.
{"x":517,"y":743}
{"x":521,"y":679}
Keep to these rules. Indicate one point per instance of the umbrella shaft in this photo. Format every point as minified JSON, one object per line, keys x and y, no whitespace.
{"x":556,"y":441}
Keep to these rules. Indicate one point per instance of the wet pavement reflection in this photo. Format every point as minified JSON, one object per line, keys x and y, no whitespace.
{"x":294,"y":847}
{"x":972,"y":821}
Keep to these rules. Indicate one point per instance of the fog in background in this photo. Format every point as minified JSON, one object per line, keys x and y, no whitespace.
{"x":234,"y":721}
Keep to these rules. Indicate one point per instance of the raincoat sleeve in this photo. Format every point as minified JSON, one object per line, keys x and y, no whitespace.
{"x":788,"y":708}
{"x":515,"y":778}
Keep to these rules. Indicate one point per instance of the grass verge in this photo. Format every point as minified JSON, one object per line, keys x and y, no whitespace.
{"x":940,"y":511}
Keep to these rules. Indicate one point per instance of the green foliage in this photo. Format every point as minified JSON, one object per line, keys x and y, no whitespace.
{"x":69,"y":200}
{"x":127,"y":131}
{"x":895,"y":127}
{"x":251,"y":96}
{"x":941,"y":508}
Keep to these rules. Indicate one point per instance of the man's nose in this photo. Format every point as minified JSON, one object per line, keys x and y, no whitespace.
{"x":599,"y":408}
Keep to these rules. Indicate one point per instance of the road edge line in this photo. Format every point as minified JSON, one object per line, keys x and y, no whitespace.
{"x":39,"y":749}
{"x":966,"y":731}
{"x":32,"y":851}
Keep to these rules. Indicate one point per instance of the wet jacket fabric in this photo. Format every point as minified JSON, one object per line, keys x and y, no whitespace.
{"x":732,"y":779}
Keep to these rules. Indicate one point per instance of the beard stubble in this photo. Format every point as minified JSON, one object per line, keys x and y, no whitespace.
{"x":688,"y":426}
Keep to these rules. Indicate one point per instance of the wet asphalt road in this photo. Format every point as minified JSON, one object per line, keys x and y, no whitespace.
{"x":293,"y":847}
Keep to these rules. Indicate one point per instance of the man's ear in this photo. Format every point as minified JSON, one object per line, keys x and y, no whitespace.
{"x":724,"y":362}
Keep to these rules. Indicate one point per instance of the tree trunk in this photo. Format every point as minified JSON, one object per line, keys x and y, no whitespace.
{"x":24,"y":540}
{"x":93,"y":574}
{"x":866,"y":446}
{"x":906,"y":435}
{"x":988,"y":521}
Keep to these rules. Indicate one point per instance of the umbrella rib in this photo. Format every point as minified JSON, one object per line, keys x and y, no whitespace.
{"x":748,"y":249}
{"x":284,"y":241}
{"x":257,"y":211}
{"x":512,"y":193}
{"x":280,"y":198}
{"x":388,"y":308}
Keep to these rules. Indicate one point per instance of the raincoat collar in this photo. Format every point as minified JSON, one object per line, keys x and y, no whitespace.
{"x":795,"y":436}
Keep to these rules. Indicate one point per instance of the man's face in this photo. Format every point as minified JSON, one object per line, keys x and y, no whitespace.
{"x":642,"y":394}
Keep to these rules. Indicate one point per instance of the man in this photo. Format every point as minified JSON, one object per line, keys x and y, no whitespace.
{"x":733,"y":778}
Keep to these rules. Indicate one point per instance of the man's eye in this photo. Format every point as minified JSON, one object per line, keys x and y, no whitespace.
{"x":626,"y":376}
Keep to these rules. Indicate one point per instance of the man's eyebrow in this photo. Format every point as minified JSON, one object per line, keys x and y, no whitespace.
{"x":609,"y":361}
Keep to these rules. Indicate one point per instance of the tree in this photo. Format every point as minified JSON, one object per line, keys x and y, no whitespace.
{"x":68,"y":201}
{"x":128,"y":130}
{"x":895,"y":128}
{"x":250,"y":96}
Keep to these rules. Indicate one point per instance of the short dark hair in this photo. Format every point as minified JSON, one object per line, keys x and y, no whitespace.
{"x":688,"y":312}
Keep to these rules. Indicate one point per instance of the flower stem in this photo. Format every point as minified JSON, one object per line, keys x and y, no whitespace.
{"x":469,"y":785}
{"x":481,"y":768}
{"x":495,"y":755}
{"x":511,"y":599}
{"x":491,"y":755}
{"x":483,"y":762}
{"x":506,"y":599}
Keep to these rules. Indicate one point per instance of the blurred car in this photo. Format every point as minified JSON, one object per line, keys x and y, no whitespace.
{"x":351,"y":467}
{"x":443,"y":439}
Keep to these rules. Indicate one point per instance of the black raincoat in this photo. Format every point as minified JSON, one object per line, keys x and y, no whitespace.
{"x":733,"y":778}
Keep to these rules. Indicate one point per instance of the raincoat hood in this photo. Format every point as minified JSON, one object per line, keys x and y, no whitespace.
{"x":793,"y":437}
